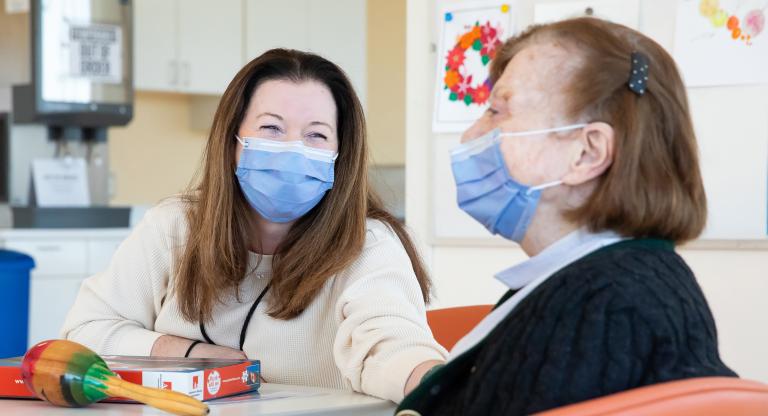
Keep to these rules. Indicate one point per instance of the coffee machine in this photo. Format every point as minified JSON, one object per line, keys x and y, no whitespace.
{"x":81,"y":84}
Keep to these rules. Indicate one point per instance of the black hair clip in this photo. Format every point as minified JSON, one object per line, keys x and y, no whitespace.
{"x":638,"y":74}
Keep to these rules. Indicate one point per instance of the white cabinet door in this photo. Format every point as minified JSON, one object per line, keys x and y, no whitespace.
{"x":60,"y":267}
{"x":155,"y":45}
{"x":53,"y":256}
{"x":338,"y":32}
{"x":51,"y":297}
{"x":210,"y":44}
{"x":278,"y":24}
{"x":334,"y":29}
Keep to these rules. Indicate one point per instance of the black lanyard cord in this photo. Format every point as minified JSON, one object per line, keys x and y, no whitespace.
{"x":244,"y":330}
{"x":249,"y":316}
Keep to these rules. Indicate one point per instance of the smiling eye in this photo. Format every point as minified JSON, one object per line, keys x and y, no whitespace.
{"x":271,"y":128}
{"x":319,"y":136}
{"x":491,"y":111}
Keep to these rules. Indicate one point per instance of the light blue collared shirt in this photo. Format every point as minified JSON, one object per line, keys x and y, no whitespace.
{"x":528,"y":275}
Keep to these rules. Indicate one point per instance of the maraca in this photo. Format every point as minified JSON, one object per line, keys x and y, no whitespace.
{"x":68,"y":374}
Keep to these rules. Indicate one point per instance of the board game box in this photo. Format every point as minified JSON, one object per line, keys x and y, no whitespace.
{"x":201,"y":378}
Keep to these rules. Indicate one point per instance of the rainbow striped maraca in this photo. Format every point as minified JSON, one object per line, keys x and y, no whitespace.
{"x":68,"y":374}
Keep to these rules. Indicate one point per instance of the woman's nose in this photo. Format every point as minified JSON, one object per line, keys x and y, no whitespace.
{"x":476,"y":130}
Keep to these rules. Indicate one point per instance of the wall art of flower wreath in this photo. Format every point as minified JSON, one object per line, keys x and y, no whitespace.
{"x":481,"y":39}
{"x":471,"y":35}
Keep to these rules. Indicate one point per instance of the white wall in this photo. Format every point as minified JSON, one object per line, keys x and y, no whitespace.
{"x":733,"y":277}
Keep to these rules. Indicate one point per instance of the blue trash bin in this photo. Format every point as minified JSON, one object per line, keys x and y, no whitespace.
{"x":14,"y":302}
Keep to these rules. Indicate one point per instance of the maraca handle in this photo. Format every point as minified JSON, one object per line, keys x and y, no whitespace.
{"x":167,"y":400}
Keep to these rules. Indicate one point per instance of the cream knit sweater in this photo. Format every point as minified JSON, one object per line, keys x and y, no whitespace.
{"x":365,"y":331}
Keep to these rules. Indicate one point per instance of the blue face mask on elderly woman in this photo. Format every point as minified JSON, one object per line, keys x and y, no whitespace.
{"x":282,"y":181}
{"x":487,"y":192}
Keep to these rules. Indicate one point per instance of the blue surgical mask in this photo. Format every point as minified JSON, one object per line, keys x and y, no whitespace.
{"x":487,"y":192}
{"x":283,"y":180}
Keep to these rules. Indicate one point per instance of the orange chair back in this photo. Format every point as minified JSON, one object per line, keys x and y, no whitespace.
{"x":449,"y":325}
{"x":706,"y":396}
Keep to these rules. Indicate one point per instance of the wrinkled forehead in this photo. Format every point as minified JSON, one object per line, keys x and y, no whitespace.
{"x":538,"y":69}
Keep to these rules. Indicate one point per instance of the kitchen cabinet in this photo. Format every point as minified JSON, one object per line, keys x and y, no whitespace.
{"x":276,"y":24}
{"x":190,"y":46}
{"x":335,"y":29}
{"x":154,"y":45}
{"x":197,"y":46}
{"x":63,"y":259}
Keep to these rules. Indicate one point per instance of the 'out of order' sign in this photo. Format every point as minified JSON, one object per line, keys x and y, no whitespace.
{"x":95,"y":52}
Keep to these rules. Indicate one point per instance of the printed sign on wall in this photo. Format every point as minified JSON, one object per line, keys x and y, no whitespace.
{"x":95,"y":52}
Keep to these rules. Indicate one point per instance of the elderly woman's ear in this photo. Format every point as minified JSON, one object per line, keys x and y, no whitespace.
{"x":593,"y":154}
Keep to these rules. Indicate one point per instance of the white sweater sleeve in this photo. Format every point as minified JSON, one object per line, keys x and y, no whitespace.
{"x":115,"y":310}
{"x":383,"y":334}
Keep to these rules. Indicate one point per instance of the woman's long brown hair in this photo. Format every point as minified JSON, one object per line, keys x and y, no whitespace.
{"x":320,"y":244}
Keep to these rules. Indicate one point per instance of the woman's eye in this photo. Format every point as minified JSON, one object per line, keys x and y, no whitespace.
{"x":271,"y":128}
{"x":317,"y":136}
{"x":491,"y":111}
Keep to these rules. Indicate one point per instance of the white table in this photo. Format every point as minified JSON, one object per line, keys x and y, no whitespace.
{"x":314,"y":401}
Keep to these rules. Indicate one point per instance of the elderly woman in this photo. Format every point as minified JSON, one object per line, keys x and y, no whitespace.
{"x":587,"y":158}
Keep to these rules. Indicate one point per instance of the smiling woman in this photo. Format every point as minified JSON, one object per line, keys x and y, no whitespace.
{"x":280,"y":252}
{"x":299,"y":117}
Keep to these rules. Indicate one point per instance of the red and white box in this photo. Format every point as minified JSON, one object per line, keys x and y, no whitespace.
{"x":201,"y":378}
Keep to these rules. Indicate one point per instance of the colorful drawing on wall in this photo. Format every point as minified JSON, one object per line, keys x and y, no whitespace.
{"x":470,"y":36}
{"x":745,"y":30}
{"x":722,"y":42}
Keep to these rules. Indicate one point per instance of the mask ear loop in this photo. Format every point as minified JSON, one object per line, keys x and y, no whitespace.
{"x":543,"y":131}
{"x":554,"y":130}
{"x":543,"y":186}
{"x":241,"y":141}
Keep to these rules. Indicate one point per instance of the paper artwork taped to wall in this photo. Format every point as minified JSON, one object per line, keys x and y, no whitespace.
{"x":470,"y":36}
{"x":722,"y":42}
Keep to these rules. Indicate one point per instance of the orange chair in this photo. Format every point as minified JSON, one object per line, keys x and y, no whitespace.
{"x":449,"y":325}
{"x":706,"y":396}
